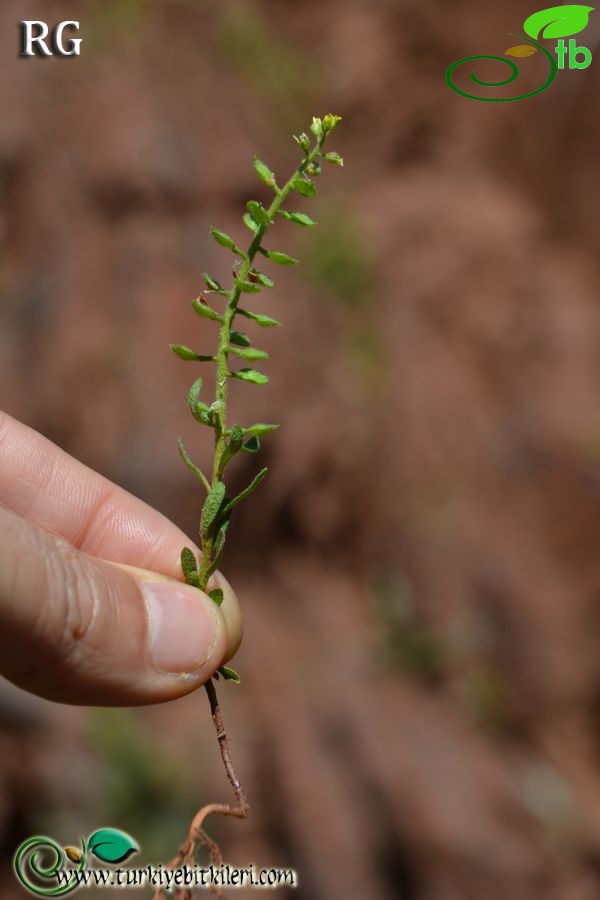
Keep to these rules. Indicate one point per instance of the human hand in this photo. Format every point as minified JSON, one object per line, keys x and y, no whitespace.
{"x":92,"y":607}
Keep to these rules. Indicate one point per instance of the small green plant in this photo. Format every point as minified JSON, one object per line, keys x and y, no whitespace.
{"x":235,"y":347}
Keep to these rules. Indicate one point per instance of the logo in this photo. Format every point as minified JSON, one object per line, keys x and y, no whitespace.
{"x":46,"y":869}
{"x":556,"y":22}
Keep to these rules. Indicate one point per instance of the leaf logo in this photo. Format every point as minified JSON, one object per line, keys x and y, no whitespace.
{"x":111,"y":845}
{"x":522,"y":50}
{"x":558,"y":21}
{"x":73,"y":854}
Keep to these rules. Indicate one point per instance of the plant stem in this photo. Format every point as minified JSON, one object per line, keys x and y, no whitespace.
{"x":215,"y":514}
{"x":222,"y":362}
{"x":197,"y":832}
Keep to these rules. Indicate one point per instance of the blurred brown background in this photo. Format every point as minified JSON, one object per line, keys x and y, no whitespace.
{"x":420,"y":574}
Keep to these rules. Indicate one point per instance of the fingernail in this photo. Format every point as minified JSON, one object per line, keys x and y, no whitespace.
{"x":184,"y":630}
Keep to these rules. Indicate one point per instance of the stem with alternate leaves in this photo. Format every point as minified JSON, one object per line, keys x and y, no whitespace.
{"x":231,"y":440}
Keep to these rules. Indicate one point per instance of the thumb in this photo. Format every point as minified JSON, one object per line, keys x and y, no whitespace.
{"x":81,"y":630}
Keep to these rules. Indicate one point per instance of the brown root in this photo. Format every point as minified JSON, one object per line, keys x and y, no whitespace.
{"x":197,"y":836}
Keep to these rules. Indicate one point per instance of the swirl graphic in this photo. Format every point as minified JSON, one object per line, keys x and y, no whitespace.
{"x":40,"y":858}
{"x":512,"y":77}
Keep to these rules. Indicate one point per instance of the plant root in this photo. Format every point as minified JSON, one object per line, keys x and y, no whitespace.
{"x":197,"y":836}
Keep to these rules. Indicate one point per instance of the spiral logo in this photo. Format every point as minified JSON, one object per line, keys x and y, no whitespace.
{"x":39,"y":859}
{"x":46,"y":869}
{"x":514,"y":74}
{"x":556,"y":22}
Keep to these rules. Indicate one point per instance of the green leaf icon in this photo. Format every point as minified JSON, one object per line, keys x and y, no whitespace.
{"x":111,"y":845}
{"x":558,"y":21}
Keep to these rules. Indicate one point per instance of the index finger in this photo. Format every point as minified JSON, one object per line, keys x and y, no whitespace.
{"x":50,"y":489}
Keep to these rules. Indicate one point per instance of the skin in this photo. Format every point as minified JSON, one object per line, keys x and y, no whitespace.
{"x":92,"y":605}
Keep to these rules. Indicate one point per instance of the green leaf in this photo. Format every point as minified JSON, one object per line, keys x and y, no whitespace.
{"x":335,"y":158}
{"x":304,"y":186}
{"x":187,"y":354}
{"x":200,"y":411}
{"x":248,"y":287}
{"x":192,"y":466}
{"x":250,"y":353}
{"x":264,"y":279}
{"x":297,"y":217}
{"x":224,"y":240}
{"x":216,"y":595}
{"x":236,"y":438}
{"x":252,"y":445}
{"x":282,"y":259}
{"x":233,"y":446}
{"x":189,"y":567}
{"x":250,"y":223}
{"x":258,"y":212}
{"x":218,"y":546}
{"x":229,"y":674}
{"x":265,"y":173}
{"x":558,"y":21}
{"x":251,"y":375}
{"x":194,"y":392}
{"x":260,"y":319}
{"x":260,"y":429}
{"x":189,"y":562}
{"x":203,"y":309}
{"x":247,"y":491}
{"x":210,"y":283}
{"x":211,"y":508}
{"x":236,"y":337}
{"x":111,"y":845}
